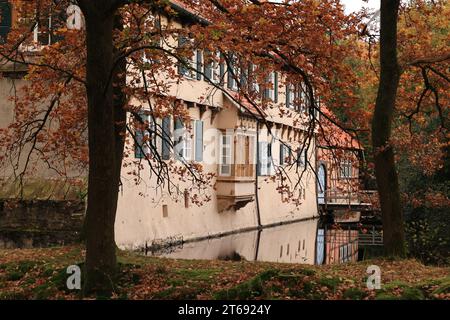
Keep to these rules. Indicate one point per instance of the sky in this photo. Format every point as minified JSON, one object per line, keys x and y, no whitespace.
{"x":355,"y":5}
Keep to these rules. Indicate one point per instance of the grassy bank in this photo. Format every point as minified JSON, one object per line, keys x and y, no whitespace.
{"x":41,"y":274}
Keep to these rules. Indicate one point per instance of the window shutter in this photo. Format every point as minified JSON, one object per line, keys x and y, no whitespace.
{"x":306,"y":159}
{"x":198,"y":140}
{"x":59,"y":20}
{"x":222,"y":70}
{"x":5,"y":22}
{"x":207,"y":65}
{"x":266,"y":93}
{"x":275,"y":87}
{"x":139,"y":149}
{"x":288,"y":93}
{"x":166,"y":142}
{"x":199,"y":65}
{"x":259,"y":160}
{"x":299,"y":158}
{"x":282,"y":154}
{"x":243,"y":79}
{"x":269,"y":158}
{"x":181,"y":67}
{"x":230,"y":77}
{"x":139,"y":137}
{"x":263,"y":163}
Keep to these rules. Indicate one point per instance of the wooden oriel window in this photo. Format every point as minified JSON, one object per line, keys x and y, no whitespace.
{"x":244,"y":155}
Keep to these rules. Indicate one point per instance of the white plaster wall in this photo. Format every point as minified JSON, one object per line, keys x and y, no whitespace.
{"x":140,"y":215}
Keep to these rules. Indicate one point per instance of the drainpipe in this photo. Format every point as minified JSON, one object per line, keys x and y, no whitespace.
{"x":258,"y":212}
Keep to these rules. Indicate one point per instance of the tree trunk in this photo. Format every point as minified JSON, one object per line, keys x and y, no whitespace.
{"x":385,"y":170}
{"x":104,"y":165}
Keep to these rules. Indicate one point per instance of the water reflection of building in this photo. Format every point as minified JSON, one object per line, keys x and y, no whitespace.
{"x":290,"y":243}
{"x":341,"y":246}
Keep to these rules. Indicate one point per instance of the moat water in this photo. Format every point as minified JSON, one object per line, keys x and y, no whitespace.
{"x":300,"y":242}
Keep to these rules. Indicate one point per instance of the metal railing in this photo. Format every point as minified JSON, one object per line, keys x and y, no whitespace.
{"x":348,"y":197}
{"x":372,"y":237}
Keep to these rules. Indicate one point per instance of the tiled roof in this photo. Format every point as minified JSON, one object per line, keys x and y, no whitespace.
{"x":244,"y":105}
{"x":335,"y":136}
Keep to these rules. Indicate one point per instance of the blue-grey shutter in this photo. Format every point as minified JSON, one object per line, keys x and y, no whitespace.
{"x":5,"y":22}
{"x":59,"y":20}
{"x":243,"y":79}
{"x":139,"y":137}
{"x":259,"y":162}
{"x":230,"y":77}
{"x":299,"y":158}
{"x":178,"y":138}
{"x":287,"y":96}
{"x":166,"y":140}
{"x":282,"y":154}
{"x":198,"y":140}
{"x":199,"y":65}
{"x":265,"y":92}
{"x":222,"y":70}
{"x":269,"y":157}
{"x":207,"y":65}
{"x":306,"y":158}
{"x":275,"y":87}
{"x":181,"y":67}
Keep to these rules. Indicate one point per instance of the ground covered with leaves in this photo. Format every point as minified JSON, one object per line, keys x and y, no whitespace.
{"x":41,"y":274}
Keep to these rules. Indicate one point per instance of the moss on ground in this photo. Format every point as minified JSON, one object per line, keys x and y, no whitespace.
{"x":41,"y":274}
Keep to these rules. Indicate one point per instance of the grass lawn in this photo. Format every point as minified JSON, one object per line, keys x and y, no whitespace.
{"x":41,"y":274}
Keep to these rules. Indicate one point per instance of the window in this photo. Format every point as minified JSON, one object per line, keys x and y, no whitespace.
{"x":265,"y":158}
{"x":147,"y":140}
{"x":5,"y":20}
{"x":152,"y":24}
{"x":189,"y":66}
{"x":45,"y":31}
{"x":187,"y":144}
{"x":303,"y":98}
{"x":213,"y":70}
{"x":254,"y":86}
{"x":271,"y":90}
{"x":244,"y":164}
{"x":233,"y":73}
{"x":302,"y":158}
{"x":290,"y":96}
{"x":346,"y":169}
{"x":225,"y":155}
{"x":183,"y":141}
{"x":141,"y":136}
{"x":166,"y":138}
{"x":285,"y":154}
{"x":297,"y":98}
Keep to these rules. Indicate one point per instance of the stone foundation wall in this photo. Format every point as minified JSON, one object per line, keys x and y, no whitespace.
{"x":40,"y":223}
